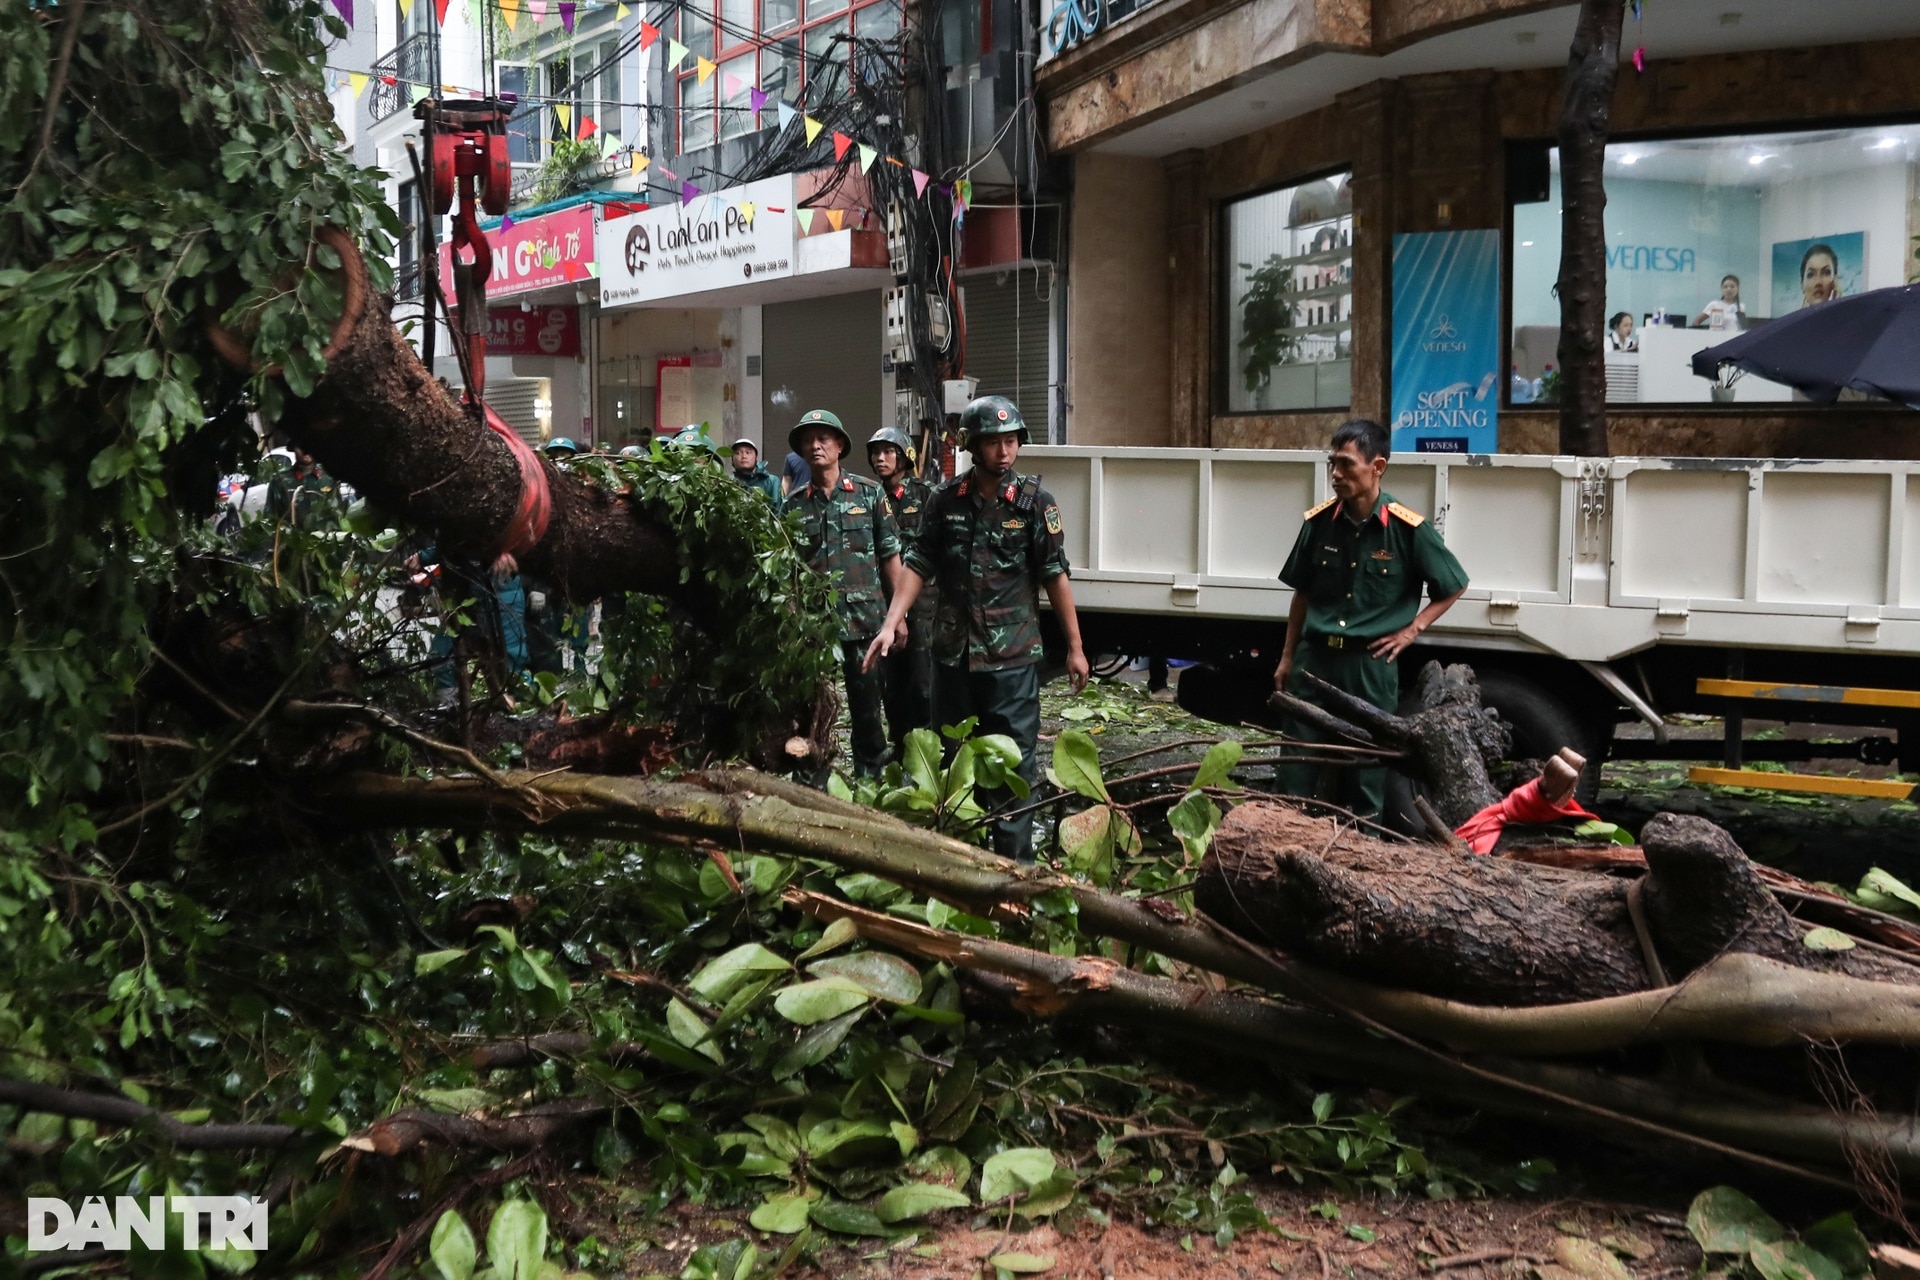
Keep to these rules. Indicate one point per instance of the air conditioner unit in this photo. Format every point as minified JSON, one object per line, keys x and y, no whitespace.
{"x":958,"y":393}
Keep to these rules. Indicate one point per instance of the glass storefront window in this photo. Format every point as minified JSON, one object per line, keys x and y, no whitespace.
{"x":696,"y":112}
{"x":736,"y":116}
{"x":1707,"y":237}
{"x":1289,"y":298}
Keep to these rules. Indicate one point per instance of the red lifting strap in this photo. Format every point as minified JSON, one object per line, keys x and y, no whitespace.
{"x":536,"y":500}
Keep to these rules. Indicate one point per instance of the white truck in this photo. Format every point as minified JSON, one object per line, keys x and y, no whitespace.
{"x":1603,"y":589}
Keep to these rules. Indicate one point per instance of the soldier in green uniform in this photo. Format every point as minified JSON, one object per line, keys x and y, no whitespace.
{"x":906,"y":674}
{"x":990,"y":539}
{"x":303,"y":495}
{"x":1357,"y":570}
{"x":848,"y":534}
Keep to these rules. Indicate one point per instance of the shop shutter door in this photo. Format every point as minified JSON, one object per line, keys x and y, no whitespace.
{"x":826,"y":353}
{"x":1010,"y":341}
{"x":512,"y":399}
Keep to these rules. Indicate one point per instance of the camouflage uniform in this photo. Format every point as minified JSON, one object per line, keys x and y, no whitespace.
{"x":846,"y":535}
{"x":907,"y":674}
{"x":1363,"y":580}
{"x":989,"y":552}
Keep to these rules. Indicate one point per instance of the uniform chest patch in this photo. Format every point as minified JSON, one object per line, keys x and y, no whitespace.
{"x":1053,"y":521}
{"x":856,"y":511}
{"x":1013,"y":524}
{"x":1383,"y":555}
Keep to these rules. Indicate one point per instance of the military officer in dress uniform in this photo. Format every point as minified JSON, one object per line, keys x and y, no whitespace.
{"x":990,"y":540}
{"x":848,"y":534}
{"x":1357,"y":570}
{"x":906,"y":675}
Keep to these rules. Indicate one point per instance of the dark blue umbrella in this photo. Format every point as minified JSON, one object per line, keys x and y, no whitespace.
{"x":1870,"y":342}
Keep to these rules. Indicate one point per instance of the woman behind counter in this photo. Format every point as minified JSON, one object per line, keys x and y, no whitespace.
{"x":1620,"y":335}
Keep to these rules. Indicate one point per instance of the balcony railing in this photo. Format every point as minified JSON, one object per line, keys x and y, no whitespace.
{"x":415,"y":60}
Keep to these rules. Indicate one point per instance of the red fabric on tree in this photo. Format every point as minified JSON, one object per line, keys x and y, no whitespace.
{"x":536,"y":500}
{"x":1522,"y":804}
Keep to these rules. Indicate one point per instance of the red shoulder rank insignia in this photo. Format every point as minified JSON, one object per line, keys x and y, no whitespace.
{"x":1311,"y":512}
{"x":1407,"y":514}
{"x":846,"y":482}
{"x":1013,"y":491}
{"x":965,"y":486}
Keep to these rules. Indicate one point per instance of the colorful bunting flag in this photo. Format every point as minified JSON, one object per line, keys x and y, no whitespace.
{"x":706,"y":68}
{"x":406,"y":8}
{"x":805,"y":218}
{"x":813,"y":128}
{"x":669,"y":174}
{"x":593,"y":269}
{"x":587,"y":127}
{"x":676,"y":54}
{"x":564,"y":114}
{"x":346,"y":10}
{"x":608,"y":145}
{"x":1640,"y":59}
{"x":620,"y":13}
{"x":688,"y":193}
{"x":358,"y":79}
{"x":757,"y":98}
{"x":919,"y":183}
{"x":963,"y":192}
{"x":731,"y":85}
{"x":506,"y":222}
{"x":538,"y":8}
{"x":566,"y":15}
{"x":640,"y":163}
{"x":648,"y":34}
{"x":840,"y":144}
{"x":440,"y":12}
{"x":787,"y":113}
{"x":510,"y":9}
{"x":867,"y":155}
{"x":835,"y":217}
{"x":415,"y":92}
{"x":747,"y":210}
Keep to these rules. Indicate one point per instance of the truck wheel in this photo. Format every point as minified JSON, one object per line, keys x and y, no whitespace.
{"x":1542,"y":724}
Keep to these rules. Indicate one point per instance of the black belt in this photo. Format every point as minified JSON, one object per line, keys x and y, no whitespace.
{"x":1339,"y":642}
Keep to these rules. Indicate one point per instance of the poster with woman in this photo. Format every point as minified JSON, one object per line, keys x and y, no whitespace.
{"x":1818,"y":269}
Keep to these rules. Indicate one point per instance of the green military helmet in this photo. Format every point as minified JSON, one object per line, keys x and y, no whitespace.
{"x":820,"y":418}
{"x":895,"y":437}
{"x":694,"y":436}
{"x":632,"y":451}
{"x":560,"y":446}
{"x":744,"y":441}
{"x":991,"y":416}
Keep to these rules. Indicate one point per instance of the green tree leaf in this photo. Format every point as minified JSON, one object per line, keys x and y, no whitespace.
{"x":720,"y":977}
{"x":1076,"y":765}
{"x":782,"y":1215}
{"x":1827,"y":939}
{"x":1793,"y":1260}
{"x":1022,"y":1263}
{"x":917,"y":1200}
{"x":807,"y":1003}
{"x":1194,"y":820}
{"x":1216,"y":767}
{"x":817,"y":1044}
{"x":885,"y":977}
{"x":452,"y":1247}
{"x":433,"y":961}
{"x":690,"y":1031}
{"x":1839,"y":1238}
{"x":1015,"y":1170}
{"x":847,"y":1219}
{"x":1724,"y":1220}
{"x":517,"y":1240}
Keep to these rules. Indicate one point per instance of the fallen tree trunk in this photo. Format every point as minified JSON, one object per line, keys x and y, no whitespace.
{"x":1497,"y":932}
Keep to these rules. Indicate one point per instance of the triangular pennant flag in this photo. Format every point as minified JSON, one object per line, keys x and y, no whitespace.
{"x":706,"y":68}
{"x":731,"y":85}
{"x":669,"y":174}
{"x":688,"y":193}
{"x":805,"y":218}
{"x":640,"y":163}
{"x":648,"y":34}
{"x":919,"y":183}
{"x":538,"y":8}
{"x":867,"y":155}
{"x":593,"y":270}
{"x":564,"y":114}
{"x":840,"y":144}
{"x":587,"y":127}
{"x":346,"y":10}
{"x":676,"y":54}
{"x":608,"y":145}
{"x":511,"y":10}
{"x":406,"y":7}
{"x":358,"y":79}
{"x":787,"y":113}
{"x":440,"y":12}
{"x":813,"y":128}
{"x":747,"y":211}
{"x":835,"y":217}
{"x":415,"y":92}
{"x":506,"y":222}
{"x":620,"y":13}
{"x":963,"y":192}
{"x":389,"y":80}
{"x":756,"y":99}
{"x":566,"y":15}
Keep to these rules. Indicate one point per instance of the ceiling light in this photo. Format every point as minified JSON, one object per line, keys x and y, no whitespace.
{"x":1629,"y":158}
{"x":1884,"y":144}
{"x":1758,"y":158}
{"x":1526,"y":244}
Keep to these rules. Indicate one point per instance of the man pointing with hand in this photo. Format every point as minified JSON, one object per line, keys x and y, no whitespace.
{"x":990,"y":540}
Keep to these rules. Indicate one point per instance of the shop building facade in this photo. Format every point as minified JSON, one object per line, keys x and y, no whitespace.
{"x":1257,"y":188}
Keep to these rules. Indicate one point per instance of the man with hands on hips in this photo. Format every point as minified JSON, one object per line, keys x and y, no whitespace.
{"x":990,"y":539}
{"x":1357,"y":571}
